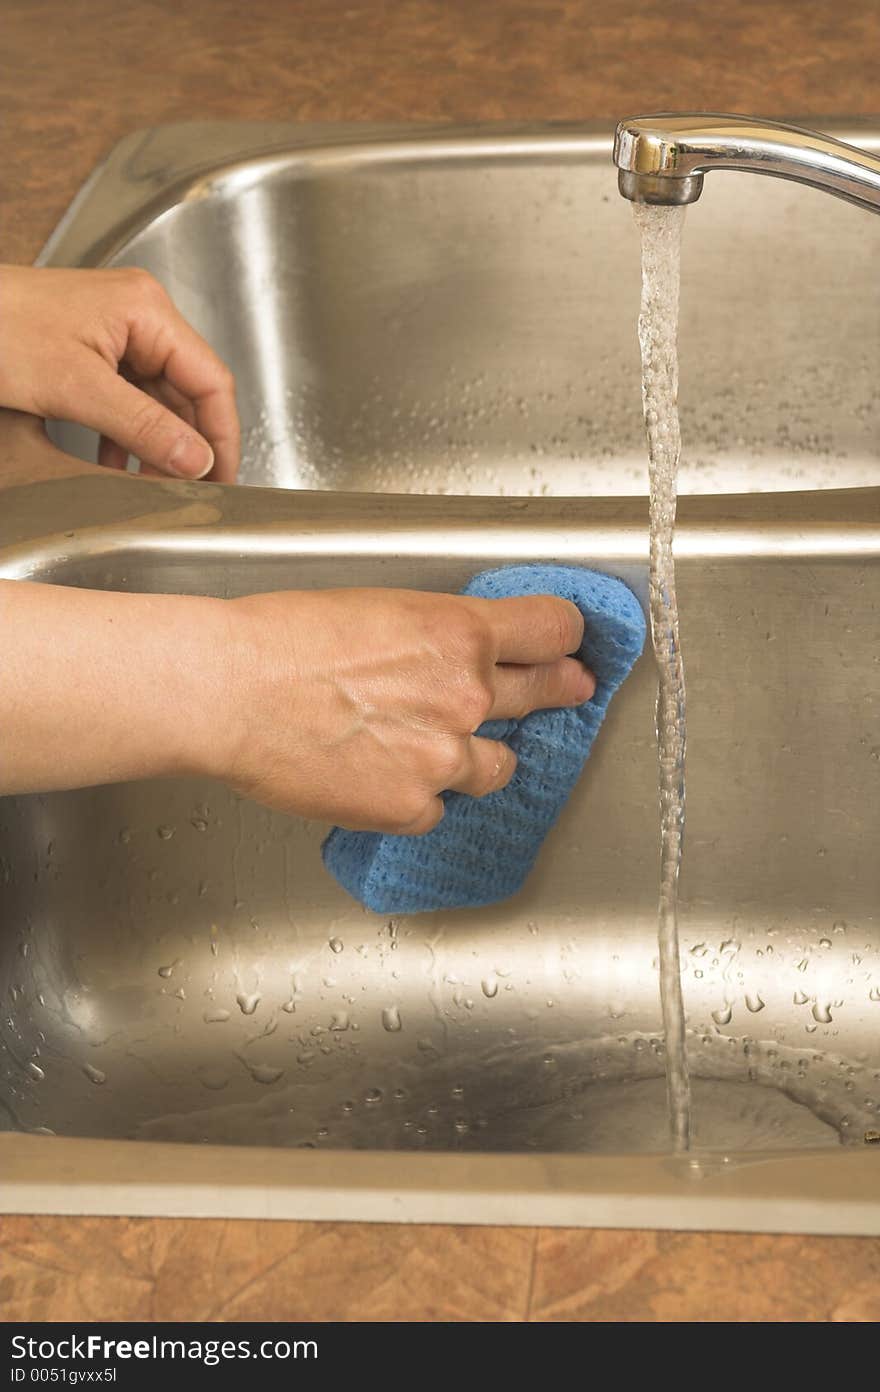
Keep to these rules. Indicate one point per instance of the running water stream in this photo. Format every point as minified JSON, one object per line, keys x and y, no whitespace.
{"x":660,"y":230}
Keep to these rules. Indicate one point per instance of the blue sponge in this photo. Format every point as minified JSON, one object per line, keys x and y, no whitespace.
{"x":484,"y":848}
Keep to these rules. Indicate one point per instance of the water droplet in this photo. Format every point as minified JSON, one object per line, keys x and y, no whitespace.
{"x":824,"y":942}
{"x":822,"y":1012}
{"x":124,"y":836}
{"x":391,"y":1019}
{"x":840,"y":926}
{"x":699,"y":949}
{"x":247,"y":1004}
{"x":754,"y":1003}
{"x":489,"y":986}
{"x":264,"y":1073}
{"x":800,"y":998}
{"x":461,"y":1126}
{"x":372,"y":1096}
{"x":336,"y":945}
{"x":723,"y":1014}
{"x":339,"y":1021}
{"x":215,"y":1017}
{"x":35,"y":1071}
{"x":199,"y":823}
{"x":164,"y":833}
{"x":802,"y":964}
{"x":214,"y":1079}
{"x":94,"y":1074}
{"x":165,"y":972}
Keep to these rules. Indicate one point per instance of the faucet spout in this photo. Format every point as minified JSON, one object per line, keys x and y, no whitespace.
{"x":663,"y":158}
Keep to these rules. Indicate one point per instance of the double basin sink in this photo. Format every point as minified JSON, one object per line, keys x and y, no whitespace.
{"x":195,"y":1017}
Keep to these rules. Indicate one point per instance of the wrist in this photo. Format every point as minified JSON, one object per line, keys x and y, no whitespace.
{"x":204,"y":718}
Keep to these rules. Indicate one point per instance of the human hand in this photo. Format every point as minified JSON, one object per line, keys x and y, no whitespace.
{"x":353,"y":706}
{"x":109,"y":350}
{"x":359,"y":706}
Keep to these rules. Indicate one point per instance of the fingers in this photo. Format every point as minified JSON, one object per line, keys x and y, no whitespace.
{"x":487,"y":765}
{"x":139,"y":425}
{"x":113,"y":456}
{"x":426,"y":820}
{"x":163,"y":345}
{"x":533,"y":628}
{"x":520,"y":690}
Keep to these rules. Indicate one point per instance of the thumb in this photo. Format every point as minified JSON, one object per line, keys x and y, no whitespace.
{"x":148,"y":430}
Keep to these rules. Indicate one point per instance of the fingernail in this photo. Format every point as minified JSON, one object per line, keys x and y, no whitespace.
{"x":191,"y":458}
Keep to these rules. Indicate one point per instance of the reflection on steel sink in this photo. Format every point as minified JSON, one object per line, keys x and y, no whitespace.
{"x":178,"y":972}
{"x":450,"y":311}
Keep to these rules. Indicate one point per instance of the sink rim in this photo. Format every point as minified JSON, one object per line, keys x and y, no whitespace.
{"x":147,"y":172}
{"x":826,"y":1192}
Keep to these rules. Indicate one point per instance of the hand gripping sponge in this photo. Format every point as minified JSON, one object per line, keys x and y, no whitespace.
{"x":484,"y":848}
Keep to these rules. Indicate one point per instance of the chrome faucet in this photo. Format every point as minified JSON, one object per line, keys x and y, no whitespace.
{"x":662,"y":159}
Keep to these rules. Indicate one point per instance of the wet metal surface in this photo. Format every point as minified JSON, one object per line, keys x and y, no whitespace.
{"x":458,"y":314}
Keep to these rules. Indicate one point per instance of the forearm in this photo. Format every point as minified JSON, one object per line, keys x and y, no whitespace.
{"x":100,"y":687}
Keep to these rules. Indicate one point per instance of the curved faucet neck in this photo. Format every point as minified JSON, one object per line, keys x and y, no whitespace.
{"x":663,"y":158}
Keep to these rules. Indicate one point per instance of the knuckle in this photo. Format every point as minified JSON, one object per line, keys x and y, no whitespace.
{"x":143,"y":285}
{"x":225,"y":377}
{"x":469,"y":633}
{"x":446,"y":761}
{"x":474,"y":702}
{"x":410,"y":811}
{"x":146,"y":421}
{"x":560,"y":625}
{"x":530,"y":694}
{"x":430,"y":818}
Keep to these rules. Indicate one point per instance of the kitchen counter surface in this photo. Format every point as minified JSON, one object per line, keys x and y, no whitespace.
{"x":202,"y":1269}
{"x":75,"y":76}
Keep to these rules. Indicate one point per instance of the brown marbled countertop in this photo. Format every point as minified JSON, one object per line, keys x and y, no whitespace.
{"x":75,"y":76}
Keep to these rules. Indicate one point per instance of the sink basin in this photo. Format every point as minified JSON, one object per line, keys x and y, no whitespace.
{"x":196,"y":1018}
{"x":453,"y":311}
{"x":177,"y":967}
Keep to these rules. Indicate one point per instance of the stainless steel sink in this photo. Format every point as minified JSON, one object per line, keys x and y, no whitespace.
{"x":200,"y":1015}
{"x":444,"y":311}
